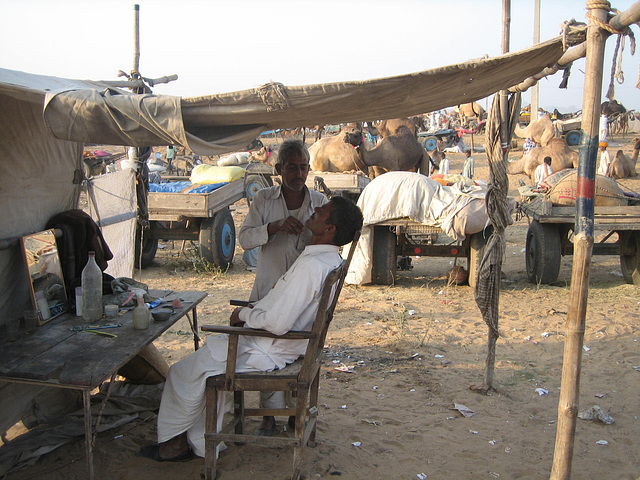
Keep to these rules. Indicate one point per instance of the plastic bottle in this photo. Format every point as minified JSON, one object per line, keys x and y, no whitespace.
{"x":43,"y":305}
{"x":141,"y":315}
{"x":91,"y":290}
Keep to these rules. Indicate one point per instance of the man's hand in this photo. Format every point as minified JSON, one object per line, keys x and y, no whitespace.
{"x":235,"y":318}
{"x":290,"y":225}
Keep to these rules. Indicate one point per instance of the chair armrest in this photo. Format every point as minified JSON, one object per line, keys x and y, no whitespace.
{"x":239,"y":303}
{"x":254,"y":332}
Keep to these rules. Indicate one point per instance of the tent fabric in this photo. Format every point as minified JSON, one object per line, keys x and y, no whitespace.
{"x":397,"y":195}
{"x":226,"y":122}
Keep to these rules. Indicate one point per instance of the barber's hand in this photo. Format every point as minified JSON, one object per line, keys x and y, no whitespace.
{"x":235,"y":318}
{"x":289,"y":225}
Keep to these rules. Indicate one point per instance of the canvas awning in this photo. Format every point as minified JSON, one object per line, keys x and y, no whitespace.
{"x":88,"y":112}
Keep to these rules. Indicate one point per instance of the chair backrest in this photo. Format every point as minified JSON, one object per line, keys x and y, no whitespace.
{"x":328,"y":300}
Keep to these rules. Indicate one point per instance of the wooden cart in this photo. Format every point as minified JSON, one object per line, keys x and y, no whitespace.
{"x":406,"y":238}
{"x":348,"y":185}
{"x":550,"y":234}
{"x":204,"y":217}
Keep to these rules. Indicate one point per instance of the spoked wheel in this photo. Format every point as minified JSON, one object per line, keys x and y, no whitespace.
{"x":543,"y":252}
{"x":630,"y":256}
{"x":218,"y":239}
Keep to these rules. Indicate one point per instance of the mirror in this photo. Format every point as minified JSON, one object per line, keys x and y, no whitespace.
{"x":48,"y":294}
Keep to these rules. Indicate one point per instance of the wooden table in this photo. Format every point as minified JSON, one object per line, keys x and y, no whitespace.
{"x":57,"y":356}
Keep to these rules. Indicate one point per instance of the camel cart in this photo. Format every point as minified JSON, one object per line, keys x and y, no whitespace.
{"x":406,"y":238}
{"x":203,"y":217}
{"x":550,"y":235}
{"x":348,"y":185}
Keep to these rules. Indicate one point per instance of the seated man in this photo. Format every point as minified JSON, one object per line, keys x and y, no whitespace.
{"x":290,"y":305}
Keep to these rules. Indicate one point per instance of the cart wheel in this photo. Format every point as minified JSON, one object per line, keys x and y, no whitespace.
{"x":149,"y":249}
{"x":573,"y":138}
{"x":630,"y":256}
{"x":543,"y":252}
{"x":255,"y":183}
{"x":218,"y":239}
{"x":430,"y":143}
{"x":476,"y":252}
{"x":383,"y":269}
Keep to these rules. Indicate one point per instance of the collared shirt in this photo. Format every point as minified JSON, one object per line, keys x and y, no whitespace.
{"x":290,"y":305}
{"x":469,"y":168}
{"x":277,"y":253}
{"x":541,"y":172}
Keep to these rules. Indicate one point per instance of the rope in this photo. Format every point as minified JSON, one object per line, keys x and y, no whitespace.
{"x":616,"y":64}
{"x":274,"y":96}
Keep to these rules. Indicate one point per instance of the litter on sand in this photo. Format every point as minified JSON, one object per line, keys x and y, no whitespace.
{"x":602,"y":442}
{"x":596,"y":414}
{"x":356,"y":444}
{"x":422,"y":476}
{"x":542,"y":391}
{"x":464,"y":410}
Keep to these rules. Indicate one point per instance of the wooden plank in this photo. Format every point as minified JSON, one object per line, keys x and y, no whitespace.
{"x":163,"y":205}
{"x":339,"y":181}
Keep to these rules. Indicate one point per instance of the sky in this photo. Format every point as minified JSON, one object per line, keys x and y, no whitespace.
{"x":223,"y":46}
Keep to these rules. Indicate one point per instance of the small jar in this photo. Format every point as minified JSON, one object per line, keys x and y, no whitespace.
{"x":111,"y":311}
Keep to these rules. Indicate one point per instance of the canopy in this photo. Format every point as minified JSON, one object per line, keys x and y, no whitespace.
{"x":82,"y":111}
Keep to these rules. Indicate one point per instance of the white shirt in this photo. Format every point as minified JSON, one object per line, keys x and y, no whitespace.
{"x":605,"y":163}
{"x":541,"y":172}
{"x":469,"y":168}
{"x":290,"y":305}
{"x":444,"y":166}
{"x":277,"y":253}
{"x":604,"y":128}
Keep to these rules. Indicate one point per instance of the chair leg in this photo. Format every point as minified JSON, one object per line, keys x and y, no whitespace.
{"x":211,"y":427}
{"x":238,"y":412}
{"x":301,"y":409}
{"x":313,"y":407}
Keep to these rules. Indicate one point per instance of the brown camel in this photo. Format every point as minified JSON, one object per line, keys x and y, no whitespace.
{"x":387,"y":128}
{"x":469,"y":110}
{"x":623,"y":166}
{"x":264,"y":155}
{"x":540,"y":131}
{"x":338,"y":153}
{"x":561,"y":157}
{"x":398,"y":152}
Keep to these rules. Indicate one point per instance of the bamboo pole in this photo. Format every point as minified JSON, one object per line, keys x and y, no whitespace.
{"x":136,"y":39}
{"x":583,"y":246}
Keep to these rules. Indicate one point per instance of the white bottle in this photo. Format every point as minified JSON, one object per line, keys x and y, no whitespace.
{"x":91,"y":290}
{"x":141,"y":315}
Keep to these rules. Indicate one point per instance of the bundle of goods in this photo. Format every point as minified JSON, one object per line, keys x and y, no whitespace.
{"x":562,"y":188}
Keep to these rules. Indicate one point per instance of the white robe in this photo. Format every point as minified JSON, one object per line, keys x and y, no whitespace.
{"x":290,"y":305}
{"x":279,"y":252}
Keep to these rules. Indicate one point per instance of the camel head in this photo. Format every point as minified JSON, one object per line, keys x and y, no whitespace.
{"x":352,"y":134}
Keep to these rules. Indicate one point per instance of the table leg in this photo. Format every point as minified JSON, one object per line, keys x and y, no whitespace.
{"x":196,"y":338}
{"x":88,"y":434}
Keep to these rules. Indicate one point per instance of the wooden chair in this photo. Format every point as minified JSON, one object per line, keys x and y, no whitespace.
{"x":301,"y":377}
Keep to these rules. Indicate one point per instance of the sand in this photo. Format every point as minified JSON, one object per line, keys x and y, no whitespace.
{"x":415,"y":348}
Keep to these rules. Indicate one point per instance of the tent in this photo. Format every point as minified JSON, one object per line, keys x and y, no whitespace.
{"x":46,"y":120}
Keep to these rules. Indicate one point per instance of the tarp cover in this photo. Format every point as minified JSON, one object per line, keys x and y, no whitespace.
{"x":459,"y":210}
{"x":79,"y":111}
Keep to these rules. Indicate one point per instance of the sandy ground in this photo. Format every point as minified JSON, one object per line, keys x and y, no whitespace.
{"x":415,"y":348}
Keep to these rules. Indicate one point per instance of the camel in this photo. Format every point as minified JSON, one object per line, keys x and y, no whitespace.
{"x":398,"y":152}
{"x":337,"y":153}
{"x":540,"y":131}
{"x":468,"y":110}
{"x":623,"y":166}
{"x":561,"y":157}
{"x":264,"y":155}
{"x":387,"y":128}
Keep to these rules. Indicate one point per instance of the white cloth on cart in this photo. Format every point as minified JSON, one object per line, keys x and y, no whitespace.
{"x":412,"y":195}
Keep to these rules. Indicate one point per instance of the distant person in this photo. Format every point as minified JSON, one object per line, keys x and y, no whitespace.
{"x":605,"y":160}
{"x":542,"y":171}
{"x":171,"y":155}
{"x":604,"y":127}
{"x":444,"y":165}
{"x":468,"y":170}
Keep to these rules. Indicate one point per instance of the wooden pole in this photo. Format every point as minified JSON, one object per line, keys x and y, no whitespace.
{"x":136,"y":39}
{"x":583,"y":246}
{"x":535,"y":90}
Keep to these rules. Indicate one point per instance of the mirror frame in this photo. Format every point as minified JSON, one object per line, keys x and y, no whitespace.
{"x":35,"y":247}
